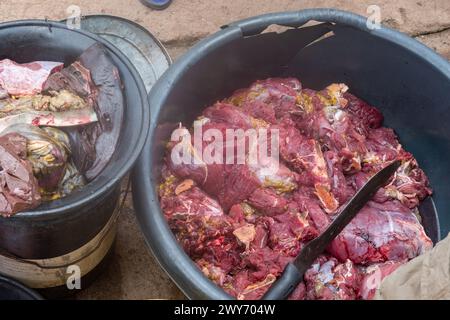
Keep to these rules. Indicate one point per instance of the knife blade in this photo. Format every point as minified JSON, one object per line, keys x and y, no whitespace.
{"x":294,"y":271}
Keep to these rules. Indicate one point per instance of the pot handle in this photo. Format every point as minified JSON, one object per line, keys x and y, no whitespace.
{"x":296,"y":19}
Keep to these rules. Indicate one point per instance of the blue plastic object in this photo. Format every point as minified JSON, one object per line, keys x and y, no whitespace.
{"x":157,"y":4}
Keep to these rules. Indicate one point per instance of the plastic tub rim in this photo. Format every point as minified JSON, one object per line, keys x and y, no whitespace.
{"x":33,"y":295}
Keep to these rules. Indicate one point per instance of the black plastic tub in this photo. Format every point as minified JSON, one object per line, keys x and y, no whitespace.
{"x":13,"y":290}
{"x":62,"y":232}
{"x":409,"y":82}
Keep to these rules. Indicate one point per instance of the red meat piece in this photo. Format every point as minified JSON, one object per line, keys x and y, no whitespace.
{"x":227,"y":113}
{"x":268,"y":201}
{"x":189,"y":202}
{"x":328,"y":279}
{"x":202,"y":229}
{"x":260,"y":110}
{"x":364,"y":116}
{"x":239,"y":184}
{"x":303,"y":154}
{"x":280,"y":94}
{"x":311,"y":207}
{"x":275,"y":175}
{"x":299,"y":293}
{"x":263,"y":262}
{"x":229,"y":183}
{"x":381,"y":232}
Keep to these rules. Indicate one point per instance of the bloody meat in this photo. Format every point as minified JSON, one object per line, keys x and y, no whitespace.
{"x":242,"y":224}
{"x":18,"y":186}
{"x":96,"y":79}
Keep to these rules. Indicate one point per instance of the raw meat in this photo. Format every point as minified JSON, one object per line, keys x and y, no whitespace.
{"x":381,"y":232}
{"x":327,"y":279}
{"x":242,"y":222}
{"x":84,"y":99}
{"x":18,"y":187}
{"x":27,"y":78}
{"x":94,"y":78}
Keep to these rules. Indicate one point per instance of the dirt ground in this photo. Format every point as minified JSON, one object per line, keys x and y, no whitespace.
{"x":134,"y":273}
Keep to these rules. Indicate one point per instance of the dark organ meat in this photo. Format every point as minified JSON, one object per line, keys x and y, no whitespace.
{"x":95,"y":79}
{"x":242,"y":223}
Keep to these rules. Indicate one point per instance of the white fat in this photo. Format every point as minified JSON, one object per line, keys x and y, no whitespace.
{"x":339,"y":115}
{"x":326,"y":274}
{"x":203,"y":120}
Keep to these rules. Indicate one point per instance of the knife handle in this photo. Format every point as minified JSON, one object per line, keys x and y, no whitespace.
{"x":282,"y":288}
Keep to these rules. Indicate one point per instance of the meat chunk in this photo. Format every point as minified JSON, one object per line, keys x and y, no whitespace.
{"x":18,"y":187}
{"x":328,"y":279}
{"x":202,"y":228}
{"x":226,"y":113}
{"x":288,"y":231}
{"x":190,"y":202}
{"x":381,"y":232}
{"x":340,"y":187}
{"x":306,"y":157}
{"x":364,"y":116}
{"x":268,"y":202}
{"x":279,"y":94}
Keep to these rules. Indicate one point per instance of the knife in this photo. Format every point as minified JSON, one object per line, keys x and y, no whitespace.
{"x":294,"y":271}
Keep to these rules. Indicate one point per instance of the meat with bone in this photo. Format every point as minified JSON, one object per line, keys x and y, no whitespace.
{"x":410,"y":184}
{"x":246,"y":222}
{"x":48,"y":152}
